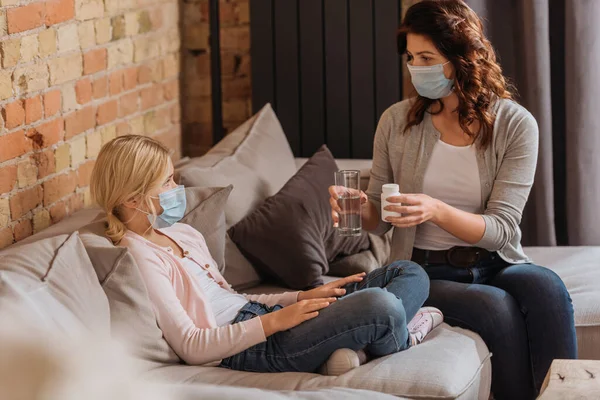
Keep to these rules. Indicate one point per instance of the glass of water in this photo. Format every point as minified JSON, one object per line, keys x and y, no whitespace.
{"x":347,"y":184}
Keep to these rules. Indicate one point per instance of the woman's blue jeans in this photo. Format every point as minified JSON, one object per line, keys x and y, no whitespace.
{"x":372,"y":315}
{"x":523,"y":313}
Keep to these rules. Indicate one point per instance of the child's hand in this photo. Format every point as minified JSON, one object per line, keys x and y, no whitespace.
{"x":293,"y":315}
{"x":332,"y":289}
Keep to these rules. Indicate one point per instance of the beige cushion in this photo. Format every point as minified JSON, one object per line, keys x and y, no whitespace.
{"x":255,"y":158}
{"x":451,"y":363}
{"x":239,"y":272}
{"x":204,"y":212}
{"x":579,"y":268}
{"x":55,"y":281}
{"x":131,"y":313}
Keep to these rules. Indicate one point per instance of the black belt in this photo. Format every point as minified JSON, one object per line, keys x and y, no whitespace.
{"x":459,"y":257}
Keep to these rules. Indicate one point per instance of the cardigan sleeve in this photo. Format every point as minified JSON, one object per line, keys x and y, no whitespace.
{"x":194,"y":344}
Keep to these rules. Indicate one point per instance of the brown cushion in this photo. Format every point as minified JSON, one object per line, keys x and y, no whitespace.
{"x":366,"y":261}
{"x":54,"y":281}
{"x":255,"y":158}
{"x":291,"y":237}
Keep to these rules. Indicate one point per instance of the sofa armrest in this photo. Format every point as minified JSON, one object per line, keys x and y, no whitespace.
{"x":364,"y":166}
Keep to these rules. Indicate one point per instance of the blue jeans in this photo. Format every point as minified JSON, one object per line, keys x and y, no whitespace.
{"x":523,"y":313}
{"x":372,"y":315}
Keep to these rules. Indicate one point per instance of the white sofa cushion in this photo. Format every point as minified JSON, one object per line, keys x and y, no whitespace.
{"x":451,"y":363}
{"x":579,"y":268}
{"x":54,"y":281}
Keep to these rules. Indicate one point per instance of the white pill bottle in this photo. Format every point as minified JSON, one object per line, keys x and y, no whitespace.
{"x":389,"y":190}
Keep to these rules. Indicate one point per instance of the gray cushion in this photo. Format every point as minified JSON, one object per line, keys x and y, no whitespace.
{"x":205,"y":213}
{"x":290,"y":237}
{"x":255,"y":158}
{"x":54,"y":280}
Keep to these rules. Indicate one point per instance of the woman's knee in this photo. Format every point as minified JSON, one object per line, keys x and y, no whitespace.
{"x":382,"y":303}
{"x":419,"y":279}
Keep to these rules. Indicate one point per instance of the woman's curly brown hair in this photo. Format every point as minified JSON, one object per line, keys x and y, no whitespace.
{"x":457,"y":32}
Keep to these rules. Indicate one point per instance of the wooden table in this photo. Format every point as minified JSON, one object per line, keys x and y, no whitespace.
{"x":572,"y":379}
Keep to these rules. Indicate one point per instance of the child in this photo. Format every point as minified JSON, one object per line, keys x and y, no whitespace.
{"x":204,"y":320}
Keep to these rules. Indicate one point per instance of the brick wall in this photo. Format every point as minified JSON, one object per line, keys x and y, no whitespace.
{"x":235,"y":69}
{"x":75,"y":74}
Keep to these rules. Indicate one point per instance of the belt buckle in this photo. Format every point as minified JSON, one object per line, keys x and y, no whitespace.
{"x":456,"y":263}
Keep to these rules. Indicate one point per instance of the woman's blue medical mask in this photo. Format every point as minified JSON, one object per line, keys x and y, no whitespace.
{"x":430,"y":81}
{"x":173,"y":204}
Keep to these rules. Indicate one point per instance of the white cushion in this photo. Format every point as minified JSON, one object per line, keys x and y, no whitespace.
{"x":579,"y":268}
{"x":450,"y":363}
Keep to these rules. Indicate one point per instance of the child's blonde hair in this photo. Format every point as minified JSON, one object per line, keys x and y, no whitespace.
{"x":127,"y":167}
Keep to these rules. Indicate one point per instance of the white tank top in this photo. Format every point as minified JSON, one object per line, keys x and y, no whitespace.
{"x":224,"y":304}
{"x":452,"y":176}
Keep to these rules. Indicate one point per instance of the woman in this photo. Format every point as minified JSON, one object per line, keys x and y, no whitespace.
{"x":204,"y":320}
{"x":464,"y":154}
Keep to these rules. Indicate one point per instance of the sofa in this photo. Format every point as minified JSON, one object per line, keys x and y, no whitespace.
{"x":452,"y":363}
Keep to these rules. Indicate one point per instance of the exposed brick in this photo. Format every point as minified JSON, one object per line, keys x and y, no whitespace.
{"x":69,"y":98}
{"x":89,"y":9}
{"x":116,"y":83}
{"x":171,"y":139}
{"x":6,"y":89}
{"x":156,"y":18}
{"x":14,"y":114}
{"x":162,"y":118}
{"x":94,"y":61}
{"x":132,"y":25}
{"x":197,"y":110}
{"x":103,"y":31}
{"x":59,"y":11}
{"x":136,"y":125}
{"x":170,"y":66}
{"x":151,"y":97}
{"x":4,"y":212}
{"x":235,"y":38}
{"x":176,"y":114}
{"x":47,"y":134}
{"x":84,"y":172}
{"x":109,"y":133}
{"x":171,"y":41}
{"x":128,"y":104}
{"x":93,"y":143}
{"x":145,"y":48}
{"x":83,"y":90}
{"x":107,"y":112}
{"x":8,"y":178}
{"x":41,"y":220}
{"x":27,"y":173}
{"x":235,"y":110}
{"x":118,"y":27}
{"x":11,"y":52}
{"x":80,"y":121}
{"x":29,"y":48}
{"x":233,"y":64}
{"x":87,"y":34}
{"x":87,"y":198}
{"x":77,"y":150}
{"x":123,"y":129}
{"x":65,"y":68}
{"x":6,"y":237}
{"x":171,"y":90}
{"x":100,"y":87}
{"x":45,"y":163}
{"x":47,"y":42}
{"x":59,"y":187}
{"x":236,"y":88}
{"x":51,"y":103}
{"x":195,"y":37}
{"x":23,"y":229}
{"x":144,"y":74}
{"x":156,"y":69}
{"x":30,"y":78}
{"x":58,"y":212}
{"x":74,"y":203}
{"x":150,"y":123}
{"x":62,"y":157}
{"x":145,"y":24}
{"x":68,"y":38}
{"x":243,"y":12}
{"x":120,"y":53}
{"x":3,"y":26}
{"x":130,"y":78}
{"x":26,"y":17}
{"x":23,"y":202}
{"x":5,"y":3}
{"x":33,"y":109}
